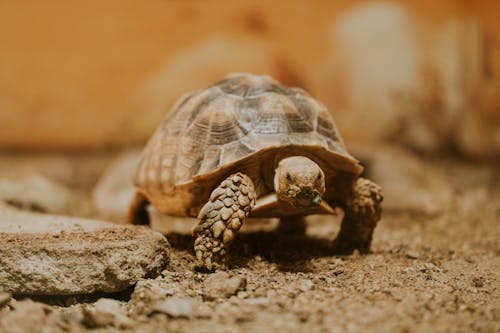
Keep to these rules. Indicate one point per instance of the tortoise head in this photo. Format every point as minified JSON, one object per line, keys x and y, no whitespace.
{"x":299,"y":181}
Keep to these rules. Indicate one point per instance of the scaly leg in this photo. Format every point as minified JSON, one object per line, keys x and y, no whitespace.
{"x":221,"y":218}
{"x":362,"y":212}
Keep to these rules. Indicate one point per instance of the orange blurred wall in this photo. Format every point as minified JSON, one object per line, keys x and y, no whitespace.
{"x":91,"y":74}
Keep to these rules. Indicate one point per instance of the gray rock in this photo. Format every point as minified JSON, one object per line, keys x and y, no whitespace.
{"x":51,"y":254}
{"x":222,"y":284}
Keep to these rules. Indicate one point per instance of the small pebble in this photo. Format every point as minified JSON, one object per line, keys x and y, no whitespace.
{"x":105,"y":312}
{"x":242,"y":294}
{"x":306,"y":285}
{"x":412,"y":255}
{"x":176,"y":307}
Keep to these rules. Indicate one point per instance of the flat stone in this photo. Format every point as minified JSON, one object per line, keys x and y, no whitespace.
{"x":59,"y":255}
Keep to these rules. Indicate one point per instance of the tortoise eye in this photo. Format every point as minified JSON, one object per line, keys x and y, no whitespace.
{"x":319,"y":176}
{"x":288,"y":177}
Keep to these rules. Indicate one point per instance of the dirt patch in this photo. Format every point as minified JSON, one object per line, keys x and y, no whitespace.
{"x":437,"y":273}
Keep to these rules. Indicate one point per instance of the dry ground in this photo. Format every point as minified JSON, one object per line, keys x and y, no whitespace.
{"x":436,"y":272}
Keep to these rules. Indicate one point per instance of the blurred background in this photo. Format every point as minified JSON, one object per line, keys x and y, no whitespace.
{"x":413,"y":86}
{"x":86,"y":75}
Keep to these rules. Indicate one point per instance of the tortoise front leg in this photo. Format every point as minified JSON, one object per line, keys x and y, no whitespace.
{"x":221,"y":218}
{"x":362,"y":212}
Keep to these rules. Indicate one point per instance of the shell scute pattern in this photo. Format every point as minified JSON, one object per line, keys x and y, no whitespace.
{"x":229,"y":121}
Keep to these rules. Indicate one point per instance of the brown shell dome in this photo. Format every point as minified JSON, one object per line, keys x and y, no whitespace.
{"x":238,"y":123}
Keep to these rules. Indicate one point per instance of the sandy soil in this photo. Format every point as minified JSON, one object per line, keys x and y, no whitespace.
{"x":436,"y":272}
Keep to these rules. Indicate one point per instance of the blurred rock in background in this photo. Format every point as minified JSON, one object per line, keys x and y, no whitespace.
{"x":85,"y":75}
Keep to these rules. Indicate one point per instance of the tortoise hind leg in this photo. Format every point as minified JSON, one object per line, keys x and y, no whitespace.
{"x":221,"y":218}
{"x":137,"y":213}
{"x":362,"y":212}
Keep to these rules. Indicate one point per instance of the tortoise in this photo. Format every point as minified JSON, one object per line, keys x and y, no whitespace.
{"x":250,"y":146}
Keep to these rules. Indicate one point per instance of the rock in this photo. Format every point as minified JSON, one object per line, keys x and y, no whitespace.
{"x":412,"y":255}
{"x":222,"y":285}
{"x":26,"y":316}
{"x":36,"y":192}
{"x":113,"y":192}
{"x":177,"y":307}
{"x":148,"y":292}
{"x":306,"y":285}
{"x":51,"y":254}
{"x":106,"y":312}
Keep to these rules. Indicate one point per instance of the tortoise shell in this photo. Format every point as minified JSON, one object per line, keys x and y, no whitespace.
{"x":244,"y":123}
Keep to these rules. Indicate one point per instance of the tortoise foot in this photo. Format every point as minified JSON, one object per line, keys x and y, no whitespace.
{"x":221,"y":218}
{"x":362,"y":213}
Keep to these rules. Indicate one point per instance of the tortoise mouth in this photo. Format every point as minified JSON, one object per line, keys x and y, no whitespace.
{"x":303,"y":196}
